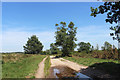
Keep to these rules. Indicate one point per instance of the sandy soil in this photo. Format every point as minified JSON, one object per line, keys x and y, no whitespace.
{"x":64,"y":62}
{"x":67,"y":68}
{"x":40,"y":71}
{"x":93,"y":73}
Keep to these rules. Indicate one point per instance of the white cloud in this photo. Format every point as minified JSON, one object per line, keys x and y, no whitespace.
{"x":14,"y":40}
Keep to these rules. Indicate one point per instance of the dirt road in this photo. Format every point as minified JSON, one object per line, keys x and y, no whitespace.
{"x":63,"y":68}
{"x":64,"y":62}
{"x":68,"y":68}
{"x":40,"y":71}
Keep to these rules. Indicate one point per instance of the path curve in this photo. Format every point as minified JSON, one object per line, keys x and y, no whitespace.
{"x":40,"y":71}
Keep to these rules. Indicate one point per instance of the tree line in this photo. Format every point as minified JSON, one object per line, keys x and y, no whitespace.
{"x":65,"y":38}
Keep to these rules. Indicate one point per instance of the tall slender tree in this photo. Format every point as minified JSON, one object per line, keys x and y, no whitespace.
{"x":65,"y":37}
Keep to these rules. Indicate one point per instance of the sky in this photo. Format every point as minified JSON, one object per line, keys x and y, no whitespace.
{"x":21,"y":20}
{"x":50,"y":0}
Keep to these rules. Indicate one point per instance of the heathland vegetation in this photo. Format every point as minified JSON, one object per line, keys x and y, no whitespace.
{"x":23,"y":65}
{"x":16,"y":65}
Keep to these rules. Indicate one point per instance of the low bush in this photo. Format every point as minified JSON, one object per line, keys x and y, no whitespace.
{"x":105,"y":54}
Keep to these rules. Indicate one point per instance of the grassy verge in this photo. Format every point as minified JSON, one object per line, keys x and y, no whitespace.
{"x":89,"y":61}
{"x":24,"y":67}
{"x":47,"y":66}
{"x":109,"y":66}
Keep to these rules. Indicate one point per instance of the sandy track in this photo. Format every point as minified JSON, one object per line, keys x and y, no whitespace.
{"x":89,"y":71}
{"x":64,"y":62}
{"x":40,"y":71}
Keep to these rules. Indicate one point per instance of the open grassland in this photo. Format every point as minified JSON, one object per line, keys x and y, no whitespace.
{"x":47,"y":66}
{"x":20,"y":65}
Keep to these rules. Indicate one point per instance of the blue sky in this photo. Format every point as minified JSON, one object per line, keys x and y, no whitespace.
{"x":51,"y":0}
{"x":21,"y":20}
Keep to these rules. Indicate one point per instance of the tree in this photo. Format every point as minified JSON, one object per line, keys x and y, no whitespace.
{"x":92,"y":49}
{"x":113,"y":15}
{"x":103,"y":48}
{"x":108,"y":51}
{"x":107,"y":46}
{"x":84,"y":47}
{"x":111,"y":8}
{"x":33,"y":46}
{"x":53,"y":48}
{"x":115,"y":52}
{"x":65,"y":37}
{"x":114,"y":47}
{"x":97,"y":47}
{"x":48,"y":51}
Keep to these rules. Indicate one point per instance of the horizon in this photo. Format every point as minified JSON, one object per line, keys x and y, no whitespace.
{"x":21,"y":20}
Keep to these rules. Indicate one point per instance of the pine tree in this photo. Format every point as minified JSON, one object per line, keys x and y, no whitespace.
{"x":33,"y":46}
